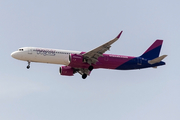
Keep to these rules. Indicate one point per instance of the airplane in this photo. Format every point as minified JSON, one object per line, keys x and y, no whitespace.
{"x":84,"y":62}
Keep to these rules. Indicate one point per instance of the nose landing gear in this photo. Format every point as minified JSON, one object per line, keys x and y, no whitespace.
{"x":28,"y":65}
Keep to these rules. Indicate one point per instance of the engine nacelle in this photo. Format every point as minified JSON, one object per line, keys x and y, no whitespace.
{"x":66,"y":70}
{"x":75,"y":59}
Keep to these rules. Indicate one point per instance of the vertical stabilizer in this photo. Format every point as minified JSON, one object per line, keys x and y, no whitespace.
{"x":153,"y":51}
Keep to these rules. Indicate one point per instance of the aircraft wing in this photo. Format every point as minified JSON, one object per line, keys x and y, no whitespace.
{"x":92,"y":56}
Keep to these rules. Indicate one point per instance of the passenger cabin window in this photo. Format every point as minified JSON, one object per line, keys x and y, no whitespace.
{"x":20,"y":49}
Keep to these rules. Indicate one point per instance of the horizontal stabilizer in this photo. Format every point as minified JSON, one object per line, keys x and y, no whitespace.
{"x":157,"y":60}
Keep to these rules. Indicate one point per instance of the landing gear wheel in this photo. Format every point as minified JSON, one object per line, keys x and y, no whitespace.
{"x":90,"y":68}
{"x":28,"y":67}
{"x":84,"y":76}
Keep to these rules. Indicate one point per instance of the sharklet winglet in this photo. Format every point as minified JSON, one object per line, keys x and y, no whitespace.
{"x":119,"y":35}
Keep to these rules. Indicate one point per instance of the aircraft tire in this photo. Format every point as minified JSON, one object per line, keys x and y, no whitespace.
{"x":84,"y":76}
{"x":90,"y":68}
{"x":28,"y":67}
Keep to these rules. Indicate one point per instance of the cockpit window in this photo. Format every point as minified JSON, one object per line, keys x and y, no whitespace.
{"x":20,"y":49}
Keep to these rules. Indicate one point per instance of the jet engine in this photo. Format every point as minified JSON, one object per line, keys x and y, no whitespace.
{"x":66,"y":70}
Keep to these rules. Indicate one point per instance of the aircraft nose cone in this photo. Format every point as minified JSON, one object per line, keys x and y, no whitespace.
{"x":14,"y":54}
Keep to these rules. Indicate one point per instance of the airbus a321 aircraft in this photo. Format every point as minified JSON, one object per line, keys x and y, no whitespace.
{"x":85,"y":62}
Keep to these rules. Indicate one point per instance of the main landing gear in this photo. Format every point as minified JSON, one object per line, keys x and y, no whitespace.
{"x":90,"y":68}
{"x":28,"y":65}
{"x":84,"y":75}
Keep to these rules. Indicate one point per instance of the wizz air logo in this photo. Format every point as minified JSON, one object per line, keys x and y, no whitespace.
{"x":46,"y":52}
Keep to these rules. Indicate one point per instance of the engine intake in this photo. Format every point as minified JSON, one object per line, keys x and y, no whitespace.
{"x":66,"y":70}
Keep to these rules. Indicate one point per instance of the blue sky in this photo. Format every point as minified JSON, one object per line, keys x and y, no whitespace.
{"x":40,"y":93}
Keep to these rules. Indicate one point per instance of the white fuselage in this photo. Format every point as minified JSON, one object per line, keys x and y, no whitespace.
{"x":43,"y":55}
